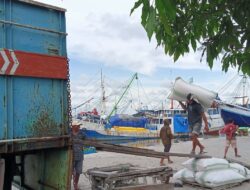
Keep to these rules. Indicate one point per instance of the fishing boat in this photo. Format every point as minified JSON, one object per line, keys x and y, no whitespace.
{"x":240,"y":115}
{"x":238,"y":108}
{"x":144,"y":124}
{"x":115,"y":126}
{"x":178,"y":120}
{"x":120,"y":127}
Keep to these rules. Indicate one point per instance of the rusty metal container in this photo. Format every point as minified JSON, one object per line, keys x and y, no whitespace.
{"x":34,"y":96}
{"x":33,"y":27}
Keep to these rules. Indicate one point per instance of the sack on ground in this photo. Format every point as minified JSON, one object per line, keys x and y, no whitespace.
{"x":185,"y":175}
{"x":240,"y":169}
{"x":205,"y":164}
{"x":218,"y":177}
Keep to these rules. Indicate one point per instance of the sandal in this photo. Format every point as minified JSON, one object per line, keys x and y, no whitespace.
{"x":202,"y":150}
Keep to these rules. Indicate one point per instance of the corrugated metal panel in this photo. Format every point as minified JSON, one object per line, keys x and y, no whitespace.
{"x":43,"y":5}
{"x":32,"y":107}
{"x":32,"y":28}
{"x":3,"y":108}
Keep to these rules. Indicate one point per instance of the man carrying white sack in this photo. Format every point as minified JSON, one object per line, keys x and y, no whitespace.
{"x":195,"y":116}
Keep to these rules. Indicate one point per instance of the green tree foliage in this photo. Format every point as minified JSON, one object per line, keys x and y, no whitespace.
{"x":221,"y":29}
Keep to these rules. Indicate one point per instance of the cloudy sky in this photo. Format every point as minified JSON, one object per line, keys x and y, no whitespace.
{"x":103,"y":36}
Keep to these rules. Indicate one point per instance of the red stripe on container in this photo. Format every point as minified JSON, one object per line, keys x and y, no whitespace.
{"x":11,"y":61}
{"x":36,"y":65}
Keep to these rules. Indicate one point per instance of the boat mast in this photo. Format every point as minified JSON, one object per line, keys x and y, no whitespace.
{"x":115,"y":106}
{"x":103,"y":98}
{"x":244,"y":80}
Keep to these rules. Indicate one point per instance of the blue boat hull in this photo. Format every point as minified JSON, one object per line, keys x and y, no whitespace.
{"x":241,"y":119}
{"x":92,"y":134}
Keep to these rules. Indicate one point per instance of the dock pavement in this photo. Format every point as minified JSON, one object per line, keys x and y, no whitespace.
{"x":213,"y":146}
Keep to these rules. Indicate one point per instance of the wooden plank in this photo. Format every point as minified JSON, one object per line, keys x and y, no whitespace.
{"x":136,"y":151}
{"x":146,"y":172}
{"x":113,"y":168}
{"x":129,"y":177}
{"x":111,"y":175}
{"x":100,"y":174}
{"x":148,"y":187}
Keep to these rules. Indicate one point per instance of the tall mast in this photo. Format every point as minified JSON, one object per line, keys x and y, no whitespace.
{"x":244,"y":80}
{"x":103,"y":98}
{"x":115,"y":106}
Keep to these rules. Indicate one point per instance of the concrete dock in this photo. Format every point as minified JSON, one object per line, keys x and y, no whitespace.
{"x":214,"y":147}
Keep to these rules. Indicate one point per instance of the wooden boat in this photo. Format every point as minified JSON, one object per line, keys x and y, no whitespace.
{"x":239,"y":114}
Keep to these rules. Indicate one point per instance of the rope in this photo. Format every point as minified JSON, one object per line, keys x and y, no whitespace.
{"x":146,"y":96}
{"x":139,"y":100}
{"x":227,"y":84}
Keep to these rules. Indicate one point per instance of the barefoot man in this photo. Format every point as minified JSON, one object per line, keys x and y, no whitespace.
{"x":230,"y":130}
{"x":166,"y":138}
{"x":195,"y":116}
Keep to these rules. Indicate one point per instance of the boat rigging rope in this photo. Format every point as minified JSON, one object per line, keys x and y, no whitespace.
{"x":145,"y":94}
{"x":228,"y":84}
{"x":139,"y":100}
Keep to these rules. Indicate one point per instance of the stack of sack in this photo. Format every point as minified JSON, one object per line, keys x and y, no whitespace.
{"x":212,"y":172}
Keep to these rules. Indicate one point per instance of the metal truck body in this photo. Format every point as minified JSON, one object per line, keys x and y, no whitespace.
{"x":34,"y":96}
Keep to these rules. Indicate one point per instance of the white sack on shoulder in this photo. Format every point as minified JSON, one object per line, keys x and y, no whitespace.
{"x":215,"y":178}
{"x":181,"y":89}
{"x":184,"y":175}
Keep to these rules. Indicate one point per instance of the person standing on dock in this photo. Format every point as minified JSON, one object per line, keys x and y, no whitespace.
{"x":195,"y":116}
{"x":77,"y":137}
{"x":230,"y":130}
{"x":166,"y":138}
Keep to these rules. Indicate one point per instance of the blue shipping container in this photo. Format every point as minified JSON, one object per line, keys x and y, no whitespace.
{"x":31,"y":106}
{"x":34,"y":122}
{"x":32,"y":27}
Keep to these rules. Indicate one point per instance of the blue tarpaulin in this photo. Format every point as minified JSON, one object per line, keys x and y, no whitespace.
{"x":129,"y":121}
{"x":180,"y":124}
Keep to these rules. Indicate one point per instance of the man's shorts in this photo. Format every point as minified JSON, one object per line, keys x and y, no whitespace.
{"x":167,"y":148}
{"x":77,"y":166}
{"x":195,"y":128}
{"x":231,"y":142}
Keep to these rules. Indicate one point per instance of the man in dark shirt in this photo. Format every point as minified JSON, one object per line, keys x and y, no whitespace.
{"x":77,"y":136}
{"x":195,"y":116}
